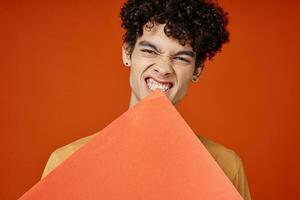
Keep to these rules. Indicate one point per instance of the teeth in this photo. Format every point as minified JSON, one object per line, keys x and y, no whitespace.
{"x":153,"y":85}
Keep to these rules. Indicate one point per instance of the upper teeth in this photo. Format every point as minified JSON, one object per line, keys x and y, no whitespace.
{"x":153,"y":85}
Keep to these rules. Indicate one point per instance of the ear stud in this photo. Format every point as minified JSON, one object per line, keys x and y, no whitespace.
{"x":194,"y":79}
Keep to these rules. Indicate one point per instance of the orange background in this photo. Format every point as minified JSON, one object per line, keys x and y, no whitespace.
{"x":61,"y":78}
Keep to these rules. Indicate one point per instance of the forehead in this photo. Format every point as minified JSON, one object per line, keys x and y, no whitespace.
{"x":157,"y":36}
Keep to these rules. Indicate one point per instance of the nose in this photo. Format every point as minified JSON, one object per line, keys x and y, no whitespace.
{"x":163,"y":68}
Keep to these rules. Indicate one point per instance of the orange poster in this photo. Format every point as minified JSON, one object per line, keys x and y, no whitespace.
{"x":148,"y":153}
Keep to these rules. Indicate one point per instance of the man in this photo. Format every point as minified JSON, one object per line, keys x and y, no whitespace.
{"x":165,"y":45}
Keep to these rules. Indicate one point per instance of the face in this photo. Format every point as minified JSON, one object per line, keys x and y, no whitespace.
{"x":160,"y":62}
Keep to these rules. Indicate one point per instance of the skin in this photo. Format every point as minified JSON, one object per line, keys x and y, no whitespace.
{"x":162,"y":58}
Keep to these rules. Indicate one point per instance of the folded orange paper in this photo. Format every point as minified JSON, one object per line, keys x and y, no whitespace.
{"x":148,"y":153}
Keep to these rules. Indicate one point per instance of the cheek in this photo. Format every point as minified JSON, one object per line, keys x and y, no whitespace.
{"x":136,"y":73}
{"x":133,"y":78}
{"x":184,"y":76}
{"x":138,"y":67}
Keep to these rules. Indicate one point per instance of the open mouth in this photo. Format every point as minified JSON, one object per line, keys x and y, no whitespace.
{"x":155,"y":84}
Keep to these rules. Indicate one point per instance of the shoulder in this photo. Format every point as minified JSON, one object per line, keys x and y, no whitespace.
{"x":226,"y":158}
{"x":230,"y":163}
{"x":69,"y":149}
{"x":62,"y":153}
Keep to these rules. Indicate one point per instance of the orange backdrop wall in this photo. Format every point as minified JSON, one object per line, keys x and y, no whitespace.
{"x":61,"y":78}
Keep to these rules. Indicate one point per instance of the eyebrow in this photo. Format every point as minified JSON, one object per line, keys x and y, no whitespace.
{"x":148,"y":44}
{"x":188,"y":53}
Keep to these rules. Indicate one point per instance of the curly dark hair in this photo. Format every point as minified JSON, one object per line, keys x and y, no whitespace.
{"x":200,"y":22}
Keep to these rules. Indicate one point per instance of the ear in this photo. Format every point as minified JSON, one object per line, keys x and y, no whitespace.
{"x":126,"y":55}
{"x":197,"y":71}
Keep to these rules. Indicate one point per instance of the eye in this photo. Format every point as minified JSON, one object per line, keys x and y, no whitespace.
{"x":148,"y":51}
{"x":181,"y":59}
